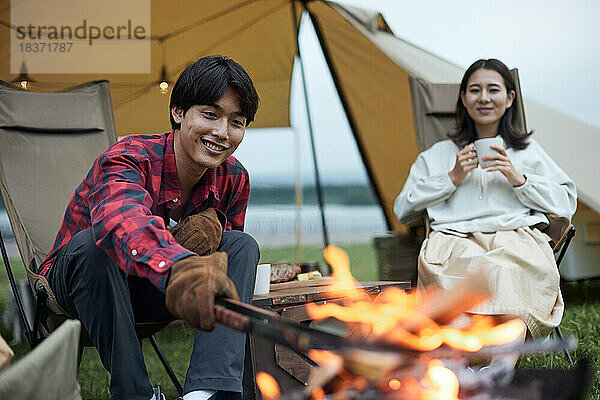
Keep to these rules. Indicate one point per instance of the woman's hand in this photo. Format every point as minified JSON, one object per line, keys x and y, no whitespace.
{"x":466,"y":160}
{"x":501,"y":162}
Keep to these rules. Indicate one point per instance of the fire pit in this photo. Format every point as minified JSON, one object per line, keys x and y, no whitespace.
{"x":406,"y":346}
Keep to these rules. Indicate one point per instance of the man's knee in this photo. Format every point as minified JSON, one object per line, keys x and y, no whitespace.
{"x":243,"y":255}
{"x":237,"y":243}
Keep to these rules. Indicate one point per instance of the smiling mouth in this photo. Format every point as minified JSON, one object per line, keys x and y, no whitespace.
{"x":213,"y":146}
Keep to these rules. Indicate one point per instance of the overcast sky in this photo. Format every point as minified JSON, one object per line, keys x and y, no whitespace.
{"x":555,"y":45}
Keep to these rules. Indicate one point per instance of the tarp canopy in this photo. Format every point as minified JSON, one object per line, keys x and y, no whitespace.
{"x":259,"y":34}
{"x":370,"y":67}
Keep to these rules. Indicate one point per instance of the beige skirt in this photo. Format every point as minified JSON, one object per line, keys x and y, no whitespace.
{"x":519,"y":264}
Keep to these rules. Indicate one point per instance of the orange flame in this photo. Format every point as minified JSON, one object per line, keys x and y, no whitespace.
{"x":318,"y":394}
{"x":396,"y":318}
{"x":439,"y":383}
{"x":387,"y":317}
{"x":269,"y":389}
{"x":394,"y":384}
{"x":343,"y":279}
{"x":321,"y":356}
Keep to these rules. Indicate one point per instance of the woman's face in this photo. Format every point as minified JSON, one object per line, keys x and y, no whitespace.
{"x":486,"y":100}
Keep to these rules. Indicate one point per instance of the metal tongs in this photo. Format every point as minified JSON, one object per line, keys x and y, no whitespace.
{"x":270,"y":325}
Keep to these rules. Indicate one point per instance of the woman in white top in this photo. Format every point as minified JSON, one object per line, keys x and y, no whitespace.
{"x":484,"y":216}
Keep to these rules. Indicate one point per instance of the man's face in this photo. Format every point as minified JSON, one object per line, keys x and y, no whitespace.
{"x":209,"y":133}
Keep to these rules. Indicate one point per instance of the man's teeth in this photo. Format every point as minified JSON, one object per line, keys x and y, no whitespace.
{"x":214,"y":146}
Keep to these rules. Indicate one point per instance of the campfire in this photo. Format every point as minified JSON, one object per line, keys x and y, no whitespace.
{"x":419,"y":345}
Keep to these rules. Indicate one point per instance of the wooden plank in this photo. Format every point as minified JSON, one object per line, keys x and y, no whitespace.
{"x":276,"y":287}
{"x":298,"y":295}
{"x":300,"y":284}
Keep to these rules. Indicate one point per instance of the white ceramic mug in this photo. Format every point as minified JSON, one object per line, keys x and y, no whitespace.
{"x":482,"y":147}
{"x":263,"y":279}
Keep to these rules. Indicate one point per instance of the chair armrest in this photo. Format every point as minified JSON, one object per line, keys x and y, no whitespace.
{"x":558,"y":228}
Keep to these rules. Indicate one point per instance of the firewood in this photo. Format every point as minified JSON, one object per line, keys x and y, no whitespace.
{"x":321,"y":375}
{"x":372,"y":365}
{"x":443,"y":306}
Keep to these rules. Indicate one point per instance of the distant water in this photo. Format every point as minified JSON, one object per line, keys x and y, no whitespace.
{"x":275,"y":225}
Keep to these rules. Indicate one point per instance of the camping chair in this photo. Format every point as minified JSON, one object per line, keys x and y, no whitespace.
{"x":48,"y":142}
{"x":59,"y":349}
{"x":433,"y":109}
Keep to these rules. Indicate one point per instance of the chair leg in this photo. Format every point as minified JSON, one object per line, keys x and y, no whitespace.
{"x":22,"y":317}
{"x":165,"y":364}
{"x":567,"y":354}
{"x":40,"y":299}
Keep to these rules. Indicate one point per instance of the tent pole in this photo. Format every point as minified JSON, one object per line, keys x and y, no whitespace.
{"x":348,"y":111}
{"x":310,"y":130}
{"x":299,"y":197}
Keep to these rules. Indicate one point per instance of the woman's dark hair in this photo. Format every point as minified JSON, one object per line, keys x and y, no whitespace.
{"x":508,"y":127}
{"x":206,"y":80}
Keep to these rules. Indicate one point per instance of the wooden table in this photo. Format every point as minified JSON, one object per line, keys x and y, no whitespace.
{"x":289,"y":368}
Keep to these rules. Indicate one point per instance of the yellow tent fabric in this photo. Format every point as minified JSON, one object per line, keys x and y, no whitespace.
{"x":370,"y":67}
{"x":259,"y":34}
{"x":376,"y":94}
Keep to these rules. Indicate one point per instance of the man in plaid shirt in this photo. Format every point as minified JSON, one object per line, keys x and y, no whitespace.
{"x":155,"y":232}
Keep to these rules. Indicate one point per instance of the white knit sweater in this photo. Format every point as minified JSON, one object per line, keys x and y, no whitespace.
{"x":485,"y":201}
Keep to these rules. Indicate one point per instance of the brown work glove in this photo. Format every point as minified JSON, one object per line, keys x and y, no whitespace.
{"x":193,"y":285}
{"x":200,"y":233}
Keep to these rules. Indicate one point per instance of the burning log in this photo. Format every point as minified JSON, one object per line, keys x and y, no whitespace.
{"x":444,"y":306}
{"x":330,"y":365}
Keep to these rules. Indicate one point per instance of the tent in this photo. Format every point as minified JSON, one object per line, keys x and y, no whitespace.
{"x":370,"y":67}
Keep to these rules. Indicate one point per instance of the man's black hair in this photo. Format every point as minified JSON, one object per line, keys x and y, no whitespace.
{"x":206,"y":80}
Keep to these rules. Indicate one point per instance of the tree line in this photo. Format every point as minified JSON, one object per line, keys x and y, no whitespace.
{"x":332,"y":194}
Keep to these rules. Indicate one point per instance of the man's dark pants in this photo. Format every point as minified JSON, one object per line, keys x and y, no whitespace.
{"x":90,"y":286}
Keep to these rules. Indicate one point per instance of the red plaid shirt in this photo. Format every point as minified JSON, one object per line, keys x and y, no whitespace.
{"x":126,"y":198}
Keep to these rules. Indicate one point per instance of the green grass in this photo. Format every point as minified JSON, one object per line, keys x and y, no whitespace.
{"x":362,"y":258}
{"x":581,"y":320}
